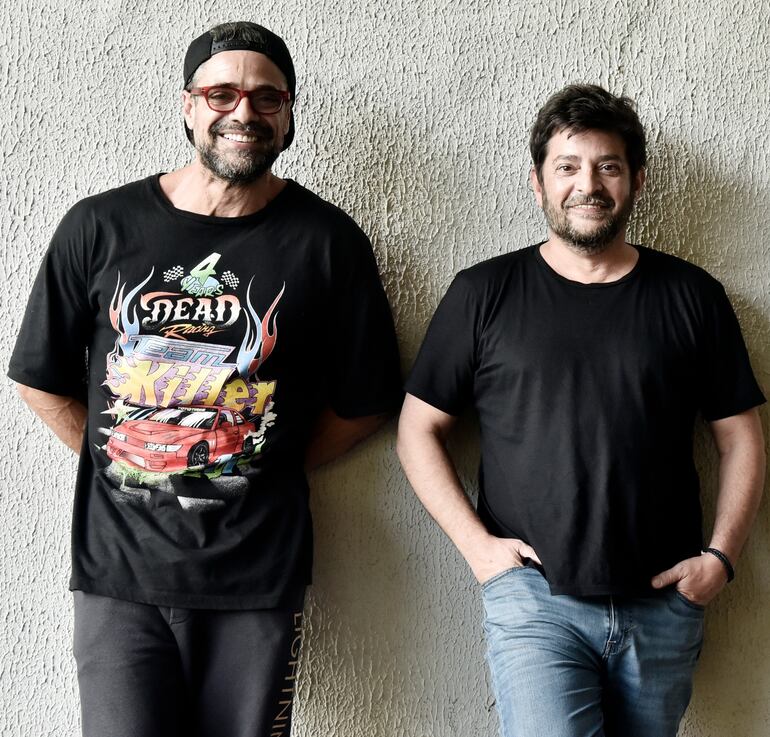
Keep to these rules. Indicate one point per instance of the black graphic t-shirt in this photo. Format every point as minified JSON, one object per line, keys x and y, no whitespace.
{"x":587,"y":396}
{"x":205,"y":348}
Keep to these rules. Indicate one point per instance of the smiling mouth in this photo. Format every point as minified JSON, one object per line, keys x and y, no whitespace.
{"x":241,"y":137}
{"x":595,"y":209}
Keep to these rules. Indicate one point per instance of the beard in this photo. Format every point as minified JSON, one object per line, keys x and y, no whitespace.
{"x":594,"y":240}
{"x":239,"y":167}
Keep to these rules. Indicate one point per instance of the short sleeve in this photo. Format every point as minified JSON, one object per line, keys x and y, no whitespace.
{"x":444,"y":370}
{"x":50,"y":351}
{"x":729,"y":386}
{"x":364,"y":373}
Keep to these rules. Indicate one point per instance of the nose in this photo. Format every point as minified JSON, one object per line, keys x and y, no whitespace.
{"x":244,"y":111}
{"x":588,"y":181}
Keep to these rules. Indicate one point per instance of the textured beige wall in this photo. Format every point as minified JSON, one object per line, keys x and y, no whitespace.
{"x":413,"y":116}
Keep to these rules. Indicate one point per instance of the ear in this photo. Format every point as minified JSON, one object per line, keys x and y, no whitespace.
{"x":188,"y":106}
{"x":286,"y":112}
{"x":537,"y":187}
{"x":638,"y":183}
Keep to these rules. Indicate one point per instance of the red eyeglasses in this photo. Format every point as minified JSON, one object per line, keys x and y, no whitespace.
{"x":264,"y":101}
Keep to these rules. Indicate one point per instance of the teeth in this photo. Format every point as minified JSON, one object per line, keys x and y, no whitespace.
{"x":240,"y":138}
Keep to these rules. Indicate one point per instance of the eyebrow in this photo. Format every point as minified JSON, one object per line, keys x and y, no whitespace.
{"x":572,"y":157}
{"x":234,"y":86}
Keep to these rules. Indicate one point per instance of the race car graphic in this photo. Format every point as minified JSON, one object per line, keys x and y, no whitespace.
{"x":190,"y":411}
{"x":181,"y":438}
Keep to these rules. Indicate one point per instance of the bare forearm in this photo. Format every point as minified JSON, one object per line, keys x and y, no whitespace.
{"x":434,"y":479}
{"x":64,"y":415}
{"x":741,"y":481}
{"x":422,"y":432}
{"x":741,"y":478}
{"x":334,"y":436}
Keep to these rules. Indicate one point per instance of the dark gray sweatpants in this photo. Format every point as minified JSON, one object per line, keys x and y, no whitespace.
{"x":150,"y":671}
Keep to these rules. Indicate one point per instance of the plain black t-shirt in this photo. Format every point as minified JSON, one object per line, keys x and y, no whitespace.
{"x":205,"y":348}
{"x":587,"y":396}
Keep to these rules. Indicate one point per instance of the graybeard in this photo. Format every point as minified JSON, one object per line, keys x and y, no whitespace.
{"x":244,"y":167}
{"x":593,"y":242}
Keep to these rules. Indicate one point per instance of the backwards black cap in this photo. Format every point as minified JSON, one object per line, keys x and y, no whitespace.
{"x":259,"y":39}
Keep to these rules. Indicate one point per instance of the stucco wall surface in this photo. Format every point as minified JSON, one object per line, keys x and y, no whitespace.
{"x":412,"y":116}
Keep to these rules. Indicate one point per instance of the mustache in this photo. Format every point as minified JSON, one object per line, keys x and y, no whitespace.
{"x":601,"y":201}
{"x":256,"y":129}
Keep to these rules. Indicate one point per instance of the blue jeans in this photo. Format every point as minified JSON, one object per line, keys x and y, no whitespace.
{"x":564,"y":666}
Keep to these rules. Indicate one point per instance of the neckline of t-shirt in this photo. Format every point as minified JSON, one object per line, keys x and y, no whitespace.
{"x":275,"y":204}
{"x":594,"y":285}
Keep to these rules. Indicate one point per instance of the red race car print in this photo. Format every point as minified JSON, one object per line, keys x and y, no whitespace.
{"x":180,"y":438}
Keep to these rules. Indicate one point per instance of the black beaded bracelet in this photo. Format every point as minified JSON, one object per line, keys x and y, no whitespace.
{"x":725,"y":562}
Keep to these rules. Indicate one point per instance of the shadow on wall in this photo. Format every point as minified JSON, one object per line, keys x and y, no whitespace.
{"x":692,"y":210}
{"x":412,"y":185}
{"x":394,"y":630}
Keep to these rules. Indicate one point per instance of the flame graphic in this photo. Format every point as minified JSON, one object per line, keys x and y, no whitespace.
{"x":258,"y":338}
{"x":115,"y":303}
{"x":119,"y":315}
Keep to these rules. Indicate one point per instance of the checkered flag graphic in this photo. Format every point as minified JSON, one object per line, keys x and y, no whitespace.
{"x":230,"y":279}
{"x":173,"y":274}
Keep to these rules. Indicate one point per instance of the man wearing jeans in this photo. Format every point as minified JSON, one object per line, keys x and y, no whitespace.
{"x":237,"y":334}
{"x":587,"y":359}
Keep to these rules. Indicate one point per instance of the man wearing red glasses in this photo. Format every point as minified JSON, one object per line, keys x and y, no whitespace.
{"x":236,"y":333}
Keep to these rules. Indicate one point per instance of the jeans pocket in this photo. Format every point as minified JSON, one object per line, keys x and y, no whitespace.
{"x":680,"y":603}
{"x":501,"y":575}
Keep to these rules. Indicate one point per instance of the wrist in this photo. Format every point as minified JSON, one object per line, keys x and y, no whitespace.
{"x":476,"y":548}
{"x":490,"y":555}
{"x":723,"y":559}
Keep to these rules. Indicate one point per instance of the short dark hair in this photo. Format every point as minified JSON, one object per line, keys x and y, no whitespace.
{"x":238,"y":31}
{"x":582,"y":107}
